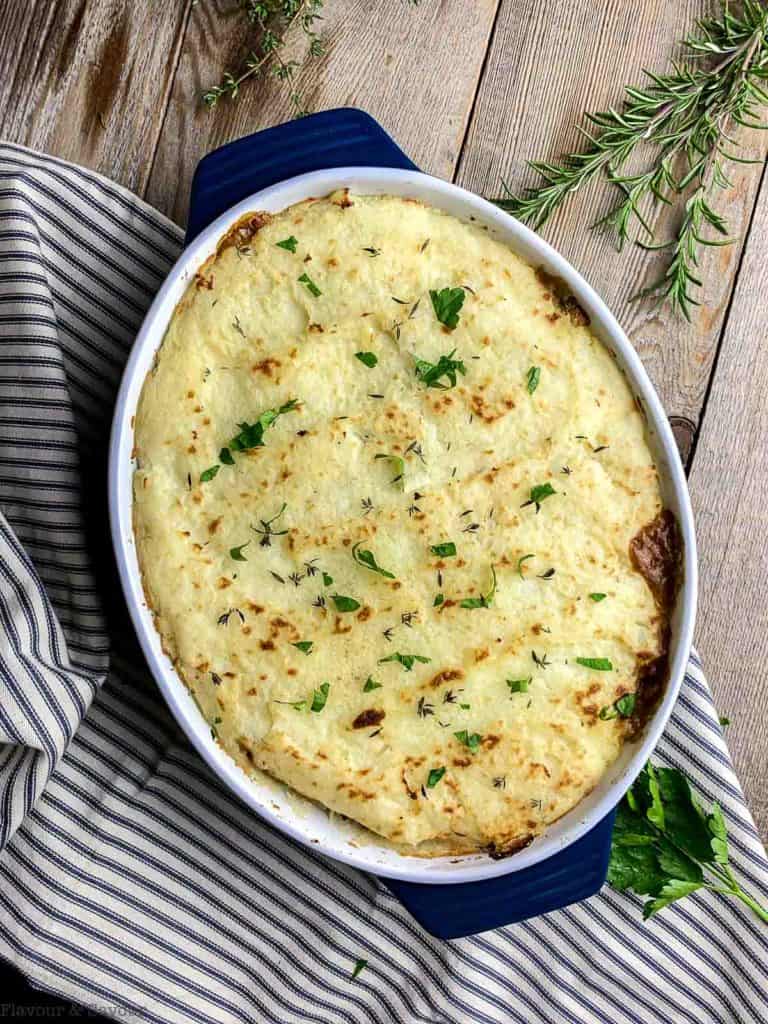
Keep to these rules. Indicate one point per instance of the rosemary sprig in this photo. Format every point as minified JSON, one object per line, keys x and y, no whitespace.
{"x":687,"y":115}
{"x":268,"y":26}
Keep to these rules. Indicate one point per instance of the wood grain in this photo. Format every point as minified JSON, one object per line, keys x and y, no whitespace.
{"x":546,"y":66}
{"x":88,"y":81}
{"x":729,"y":489}
{"x":415,"y":69}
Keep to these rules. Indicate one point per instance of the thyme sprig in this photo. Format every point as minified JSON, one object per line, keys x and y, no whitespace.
{"x":268,"y":27}
{"x":687,"y":115}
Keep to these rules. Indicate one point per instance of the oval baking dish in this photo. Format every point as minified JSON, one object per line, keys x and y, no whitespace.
{"x":278,"y":805}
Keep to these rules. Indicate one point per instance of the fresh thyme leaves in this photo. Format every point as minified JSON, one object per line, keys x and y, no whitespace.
{"x":209,"y":474}
{"x":367,"y":560}
{"x":447,"y":305}
{"x":266,"y":531}
{"x":688,"y":115}
{"x":424,"y":709}
{"x":434,"y":777}
{"x":540,"y":662}
{"x":251,"y":436}
{"x":471,"y":741}
{"x":369,"y":359}
{"x":289,"y":243}
{"x":538,"y":494}
{"x":237,"y":553}
{"x":597,"y":598}
{"x":446,"y":550}
{"x":311,"y":287}
{"x":345,"y":604}
{"x":371,"y":250}
{"x":305,"y":646}
{"x":238,"y":326}
{"x":406,"y":660}
{"x":519,"y":685}
{"x":320,"y":697}
{"x":485,"y":600}
{"x":666,"y":846}
{"x":398,"y":464}
{"x":621,"y":708}
{"x":520,"y":562}
{"x":371,"y":684}
{"x":360,"y":965}
{"x":446,"y":366}
{"x":597,"y":664}
{"x":532,"y":379}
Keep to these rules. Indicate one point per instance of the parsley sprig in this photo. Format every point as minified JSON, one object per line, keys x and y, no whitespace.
{"x":666,"y":846}
{"x":368,"y":561}
{"x":447,"y":305}
{"x":251,"y":435}
{"x":430,"y":374}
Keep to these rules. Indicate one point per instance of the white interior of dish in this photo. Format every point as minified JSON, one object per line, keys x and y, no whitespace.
{"x":277,"y":804}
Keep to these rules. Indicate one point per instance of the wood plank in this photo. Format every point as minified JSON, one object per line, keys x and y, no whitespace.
{"x":89,"y":82}
{"x":729,"y":489}
{"x":548,"y":63}
{"x":415,"y":69}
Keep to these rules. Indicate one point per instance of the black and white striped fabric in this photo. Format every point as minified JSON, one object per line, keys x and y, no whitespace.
{"x":130,"y":880}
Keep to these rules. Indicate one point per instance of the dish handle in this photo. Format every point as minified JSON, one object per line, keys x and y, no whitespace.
{"x":453,"y":911}
{"x":344,"y":137}
{"x":347,"y":137}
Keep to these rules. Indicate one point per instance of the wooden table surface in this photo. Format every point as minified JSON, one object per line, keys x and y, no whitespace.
{"x":470,"y":89}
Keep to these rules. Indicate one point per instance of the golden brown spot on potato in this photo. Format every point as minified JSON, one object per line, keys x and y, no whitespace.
{"x":316,"y":329}
{"x":339,"y":627}
{"x":253,"y":692}
{"x":267,"y":645}
{"x":223,"y":583}
{"x":365,"y":613}
{"x":482,"y":654}
{"x":462,"y":762}
{"x":446,"y":675}
{"x":266,"y":366}
{"x":257,"y":609}
{"x":246,"y":630}
{"x":214,"y":525}
{"x":332,"y":262}
{"x":490,"y":741}
{"x":292,"y":672}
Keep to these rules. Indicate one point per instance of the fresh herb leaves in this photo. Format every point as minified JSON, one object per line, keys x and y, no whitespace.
{"x":430,"y":374}
{"x":485,"y":600}
{"x":305,"y":646}
{"x":623,"y":707}
{"x":447,"y":305}
{"x":519,"y":685}
{"x":371,"y":684}
{"x":398,"y":464}
{"x":320,"y":697}
{"x":311,"y":287}
{"x":446,"y":550}
{"x":434,"y":777}
{"x":209,"y":474}
{"x":520,"y":562}
{"x":471,"y":741}
{"x":664,"y":842}
{"x":532,"y":379}
{"x":367,"y":560}
{"x":538,"y":494}
{"x":406,"y":660}
{"x":596,"y":664}
{"x":360,"y":965}
{"x":369,"y":359}
{"x":345,"y":604}
{"x":289,"y":243}
{"x":237,"y":553}
{"x":597,"y":598}
{"x":251,"y":436}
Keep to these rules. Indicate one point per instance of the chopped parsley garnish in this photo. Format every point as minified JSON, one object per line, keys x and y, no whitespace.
{"x":538,"y":494}
{"x":597,"y":664}
{"x":406,"y":660}
{"x":327,"y":580}
{"x":621,"y":708}
{"x":485,"y":600}
{"x":345,"y":604}
{"x":209,"y":474}
{"x":251,"y":436}
{"x":434,"y":777}
{"x":371,"y":684}
{"x":532,"y":379}
{"x":446,"y":366}
{"x":368,"y":358}
{"x":305,"y":646}
{"x":225,"y":456}
{"x":289,"y":243}
{"x":367,"y":560}
{"x":597,"y":598}
{"x":520,"y":565}
{"x":519,"y":685}
{"x":447,"y":304}
{"x":439,"y":599}
{"x":237,"y":553}
{"x":471,"y":741}
{"x":446,"y":550}
{"x":312,"y":288}
{"x":664,"y":842}
{"x":359,"y":966}
{"x":320,"y":697}
{"x":398,"y":464}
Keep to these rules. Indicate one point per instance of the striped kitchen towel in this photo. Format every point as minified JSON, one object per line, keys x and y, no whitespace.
{"x":130,"y":880}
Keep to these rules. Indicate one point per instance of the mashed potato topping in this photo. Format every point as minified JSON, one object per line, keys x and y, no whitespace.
{"x":388,"y":497}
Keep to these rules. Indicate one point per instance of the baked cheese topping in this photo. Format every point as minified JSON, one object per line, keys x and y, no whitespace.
{"x":387,"y":484}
